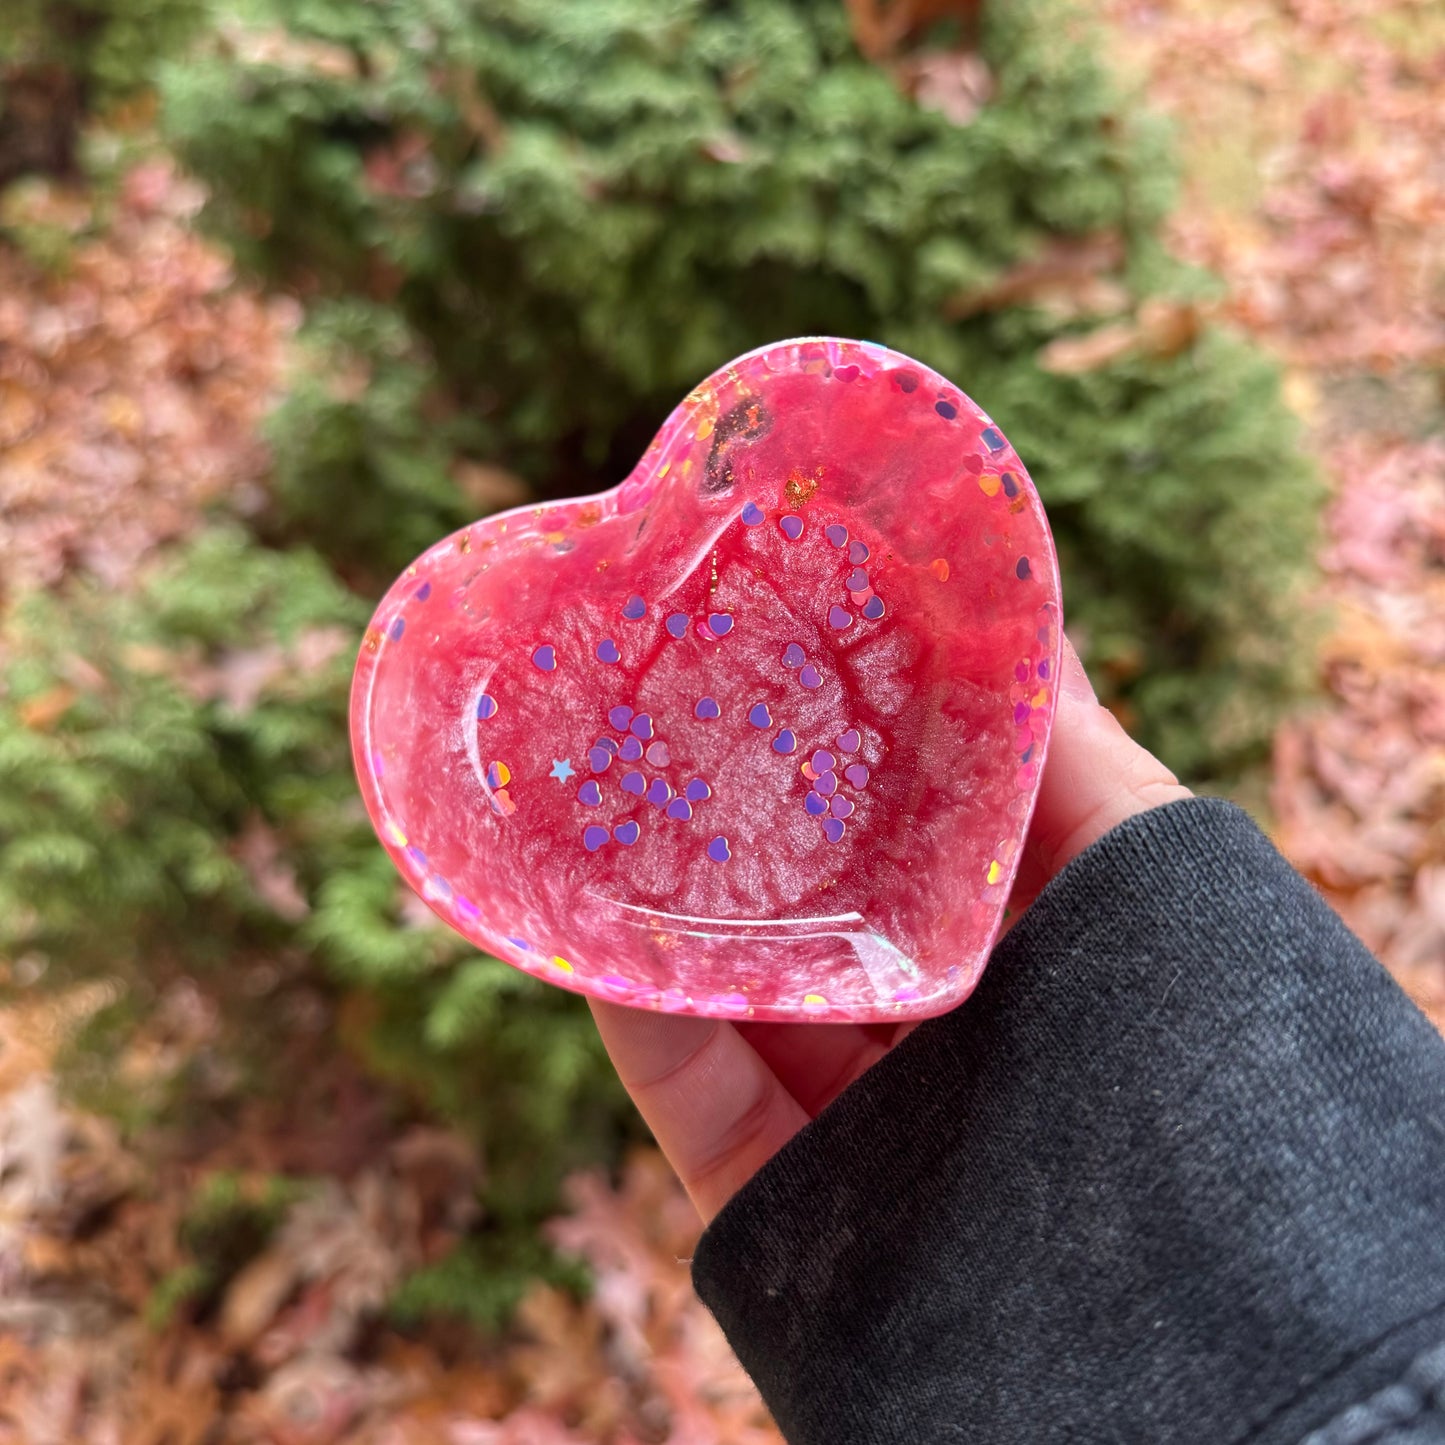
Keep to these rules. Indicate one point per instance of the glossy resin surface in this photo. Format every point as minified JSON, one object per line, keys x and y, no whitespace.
{"x":754,"y":734}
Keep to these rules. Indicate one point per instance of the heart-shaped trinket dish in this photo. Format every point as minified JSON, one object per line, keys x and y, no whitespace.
{"x":756,"y":733}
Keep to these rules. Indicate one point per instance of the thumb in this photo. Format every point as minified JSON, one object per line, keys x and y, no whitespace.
{"x":1095,"y":777}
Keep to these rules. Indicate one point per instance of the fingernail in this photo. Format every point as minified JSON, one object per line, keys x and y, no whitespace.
{"x":1075,"y":684}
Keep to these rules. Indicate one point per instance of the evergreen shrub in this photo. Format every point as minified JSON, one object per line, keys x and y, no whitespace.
{"x":148,"y":739}
{"x":62,"y":59}
{"x":563,"y":216}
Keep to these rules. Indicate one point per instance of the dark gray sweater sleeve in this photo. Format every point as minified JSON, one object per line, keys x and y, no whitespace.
{"x":1174,"y":1173}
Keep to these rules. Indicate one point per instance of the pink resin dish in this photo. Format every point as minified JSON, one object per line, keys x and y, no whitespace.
{"x":754,"y":734}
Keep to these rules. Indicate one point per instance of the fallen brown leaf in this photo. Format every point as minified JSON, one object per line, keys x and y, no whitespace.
{"x":1072,"y":276}
{"x":255,"y":1296}
{"x":882,"y":27}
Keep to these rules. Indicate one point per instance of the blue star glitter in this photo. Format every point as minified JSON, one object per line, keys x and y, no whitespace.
{"x":562,"y":769}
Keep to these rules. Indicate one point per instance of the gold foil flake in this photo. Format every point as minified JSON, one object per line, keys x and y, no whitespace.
{"x":800,"y":488}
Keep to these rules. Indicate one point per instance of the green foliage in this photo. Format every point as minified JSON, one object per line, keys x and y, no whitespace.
{"x":545,"y":223}
{"x":141,"y":735}
{"x":360,"y":456}
{"x":228,"y":1221}
{"x":92,"y":1065}
{"x":44,"y":239}
{"x":1185,"y":524}
{"x":110,"y":46}
{"x":182,"y":1288}
{"x":231,"y":1217}
{"x":144,"y":739}
{"x":518,"y":1062}
{"x":481,"y":1282}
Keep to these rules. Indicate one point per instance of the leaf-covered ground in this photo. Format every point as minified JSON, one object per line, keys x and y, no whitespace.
{"x":131,"y":385}
{"x":133,"y":376}
{"x":100,"y":1245}
{"x":1313,"y":132}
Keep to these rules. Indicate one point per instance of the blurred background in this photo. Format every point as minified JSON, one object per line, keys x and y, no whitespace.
{"x":289,"y":288}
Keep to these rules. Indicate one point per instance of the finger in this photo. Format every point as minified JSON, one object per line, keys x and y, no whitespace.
{"x":1095,"y":777}
{"x":715,"y":1108}
{"x":815,"y":1062}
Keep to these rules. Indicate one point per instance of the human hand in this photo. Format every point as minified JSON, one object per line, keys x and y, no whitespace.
{"x":722,"y":1098}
